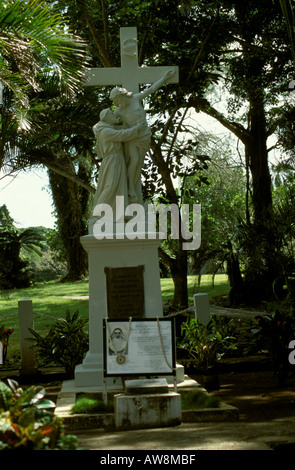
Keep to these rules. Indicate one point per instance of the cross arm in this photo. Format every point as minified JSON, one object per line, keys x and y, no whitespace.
{"x":172,"y":77}
{"x":103,"y":76}
{"x":121,"y":76}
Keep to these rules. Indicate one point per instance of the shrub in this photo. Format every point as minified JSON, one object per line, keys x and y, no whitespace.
{"x":65,"y":344}
{"x":274,"y":333}
{"x":206,"y":344}
{"x":198,"y":399}
{"x":27,"y":420}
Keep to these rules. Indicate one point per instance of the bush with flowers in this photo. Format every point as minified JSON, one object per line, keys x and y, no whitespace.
{"x":4,"y":339}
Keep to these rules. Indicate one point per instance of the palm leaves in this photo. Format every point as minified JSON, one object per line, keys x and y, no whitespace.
{"x":15,"y":239}
{"x":288,"y":12}
{"x":14,"y":270}
{"x":34,"y":40}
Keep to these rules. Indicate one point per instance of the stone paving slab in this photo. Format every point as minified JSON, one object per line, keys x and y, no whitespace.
{"x":237,"y":435}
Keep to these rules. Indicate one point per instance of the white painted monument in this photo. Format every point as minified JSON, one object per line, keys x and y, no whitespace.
{"x":120,"y":176}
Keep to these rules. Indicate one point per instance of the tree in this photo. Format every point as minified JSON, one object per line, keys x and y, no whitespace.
{"x":99,"y":24}
{"x":256,"y":69}
{"x":14,"y":272}
{"x":288,"y":12}
{"x":71,"y":222}
{"x":42,"y":62}
{"x":62,"y":141}
{"x":35,"y":41}
{"x":241,"y":46}
{"x":220,"y":189}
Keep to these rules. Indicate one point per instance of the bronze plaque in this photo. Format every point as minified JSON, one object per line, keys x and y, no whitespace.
{"x":125,"y":292}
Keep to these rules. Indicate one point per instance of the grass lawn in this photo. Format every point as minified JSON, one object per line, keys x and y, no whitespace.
{"x":55,"y":298}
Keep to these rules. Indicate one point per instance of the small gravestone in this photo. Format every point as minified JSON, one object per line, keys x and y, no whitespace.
{"x":125,"y":292}
{"x":202,"y":309}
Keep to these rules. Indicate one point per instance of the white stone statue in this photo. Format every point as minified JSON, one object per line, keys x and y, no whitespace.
{"x":112,"y":179}
{"x":130,"y":109}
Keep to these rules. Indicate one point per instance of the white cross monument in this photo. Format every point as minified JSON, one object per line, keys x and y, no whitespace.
{"x":116,"y":253}
{"x":129,"y":75}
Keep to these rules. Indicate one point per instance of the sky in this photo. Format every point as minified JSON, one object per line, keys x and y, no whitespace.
{"x":28,"y":199}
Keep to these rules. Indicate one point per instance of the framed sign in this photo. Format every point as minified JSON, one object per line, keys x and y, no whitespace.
{"x":143,"y":346}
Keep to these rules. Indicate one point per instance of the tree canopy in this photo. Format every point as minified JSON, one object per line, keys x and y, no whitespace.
{"x":235,"y":61}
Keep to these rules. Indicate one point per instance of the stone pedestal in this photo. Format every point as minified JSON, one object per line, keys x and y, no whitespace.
{"x":147,"y":411}
{"x":115,"y":253}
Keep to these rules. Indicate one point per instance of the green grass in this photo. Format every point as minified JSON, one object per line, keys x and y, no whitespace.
{"x":197,"y":400}
{"x":221,"y":287}
{"x":53,"y":298}
{"x":48,"y":298}
{"x":87,"y":404}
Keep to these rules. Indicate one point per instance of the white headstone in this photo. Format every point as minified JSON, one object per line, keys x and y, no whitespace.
{"x":26,"y":321}
{"x":201,"y":303}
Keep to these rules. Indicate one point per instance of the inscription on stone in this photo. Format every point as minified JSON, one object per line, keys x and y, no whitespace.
{"x":125,"y":292}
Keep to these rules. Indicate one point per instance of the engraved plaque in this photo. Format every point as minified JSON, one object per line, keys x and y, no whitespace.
{"x":125,"y":292}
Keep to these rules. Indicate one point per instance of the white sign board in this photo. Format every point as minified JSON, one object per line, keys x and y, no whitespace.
{"x":143,"y":346}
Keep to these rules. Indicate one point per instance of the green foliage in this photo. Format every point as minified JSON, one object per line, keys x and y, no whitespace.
{"x":206,"y":344}
{"x":273,"y":334}
{"x":65,"y":344}
{"x":50,"y":264}
{"x":87,"y":404}
{"x":34,"y":42}
{"x":14,"y":269}
{"x":27,"y":421}
{"x":197,"y":399}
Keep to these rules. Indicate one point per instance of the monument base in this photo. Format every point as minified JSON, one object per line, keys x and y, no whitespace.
{"x":147,"y":411}
{"x":90,"y":374}
{"x":104,"y":254}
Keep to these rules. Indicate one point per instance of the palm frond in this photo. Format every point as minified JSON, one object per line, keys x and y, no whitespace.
{"x":34,"y":35}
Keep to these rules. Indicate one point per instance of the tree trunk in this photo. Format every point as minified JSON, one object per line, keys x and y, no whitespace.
{"x":179,"y":275}
{"x":178,"y":263}
{"x":70,"y":214}
{"x":257,"y":155}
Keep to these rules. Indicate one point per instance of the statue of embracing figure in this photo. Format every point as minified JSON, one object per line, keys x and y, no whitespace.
{"x":122,"y":148}
{"x":131,"y":111}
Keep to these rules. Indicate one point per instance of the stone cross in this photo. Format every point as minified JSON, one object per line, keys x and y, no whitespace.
{"x":129,"y":75}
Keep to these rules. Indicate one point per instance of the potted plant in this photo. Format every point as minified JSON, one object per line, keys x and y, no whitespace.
{"x":205,"y":345}
{"x":65,"y":344}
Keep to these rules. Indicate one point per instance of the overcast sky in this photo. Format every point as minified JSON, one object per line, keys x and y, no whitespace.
{"x":27,"y":198}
